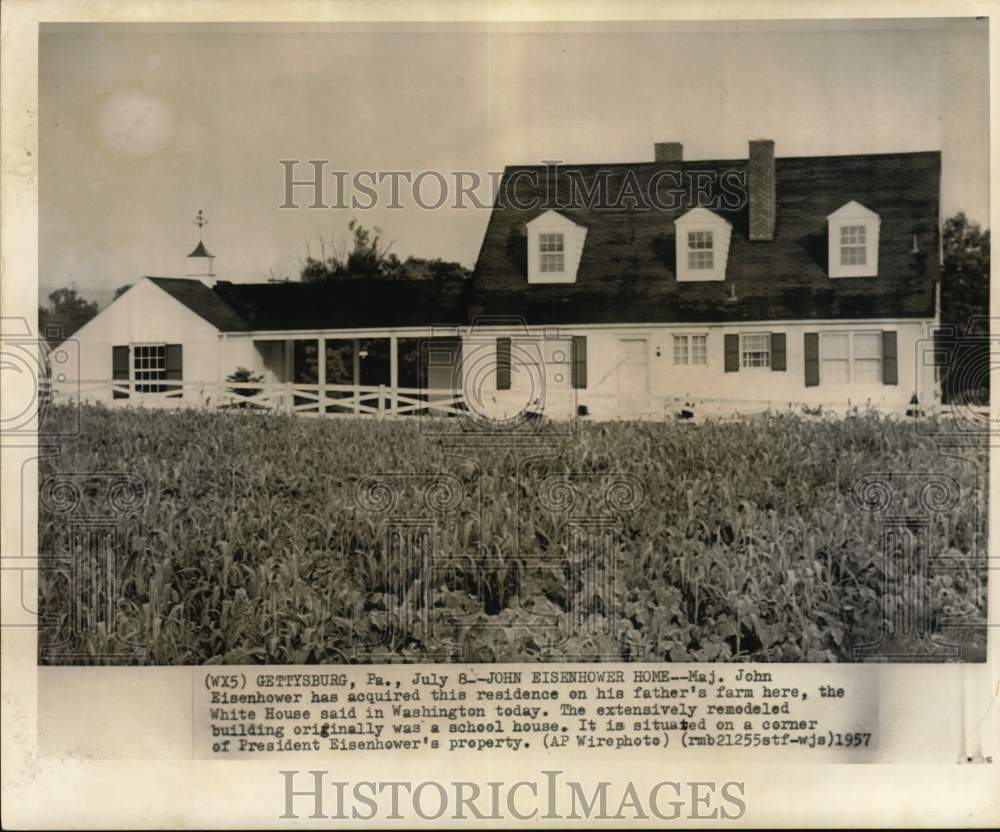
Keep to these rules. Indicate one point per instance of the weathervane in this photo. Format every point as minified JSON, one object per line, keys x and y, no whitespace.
{"x":201,"y":256}
{"x":200,"y":221}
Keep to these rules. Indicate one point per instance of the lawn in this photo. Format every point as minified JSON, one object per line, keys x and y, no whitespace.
{"x":274,"y":539}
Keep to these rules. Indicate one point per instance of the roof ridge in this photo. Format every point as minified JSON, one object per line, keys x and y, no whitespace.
{"x":741,"y":160}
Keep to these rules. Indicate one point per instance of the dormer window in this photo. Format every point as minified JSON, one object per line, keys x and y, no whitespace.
{"x":553,"y":257}
{"x":555,"y":245}
{"x":702,"y":245}
{"x":853,"y":241}
{"x":700,"y":250}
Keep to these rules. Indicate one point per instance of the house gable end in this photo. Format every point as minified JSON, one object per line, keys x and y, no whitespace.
{"x":204,"y":302}
{"x":129,"y":318}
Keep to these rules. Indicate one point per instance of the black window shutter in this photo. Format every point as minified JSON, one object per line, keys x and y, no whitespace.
{"x":580,"y":362}
{"x":890,"y":371}
{"x":812,"y":359}
{"x":732,"y":353}
{"x":175,"y":367}
{"x":779,"y":360}
{"x":503,"y":363}
{"x":175,"y":362}
{"x":119,"y":369}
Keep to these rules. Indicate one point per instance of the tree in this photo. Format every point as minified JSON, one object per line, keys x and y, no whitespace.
{"x":121,"y":290}
{"x":965,"y":305}
{"x":417,"y":268}
{"x":242,"y":374}
{"x":965,"y":279}
{"x":64,"y":315}
{"x":370,"y":257}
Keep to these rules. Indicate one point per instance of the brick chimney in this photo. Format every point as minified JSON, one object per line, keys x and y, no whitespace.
{"x":669,"y":152}
{"x":760,"y":187}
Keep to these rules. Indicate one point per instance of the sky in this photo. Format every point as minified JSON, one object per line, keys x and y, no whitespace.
{"x":139,"y":128}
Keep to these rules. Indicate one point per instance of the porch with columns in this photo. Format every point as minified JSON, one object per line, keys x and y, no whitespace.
{"x":336,"y":373}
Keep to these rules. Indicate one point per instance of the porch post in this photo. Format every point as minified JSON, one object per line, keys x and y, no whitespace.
{"x":393,"y":374}
{"x":289,"y":378}
{"x":288,"y":360}
{"x":221,"y":375}
{"x":321,"y":376}
{"x":357,"y":375}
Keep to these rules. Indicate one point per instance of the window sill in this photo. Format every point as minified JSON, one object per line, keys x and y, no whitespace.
{"x":551,"y":277}
{"x":700,"y":277}
{"x":859,"y":385}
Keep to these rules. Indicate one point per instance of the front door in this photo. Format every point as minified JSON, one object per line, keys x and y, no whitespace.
{"x":560,"y":397}
{"x":633,"y":377}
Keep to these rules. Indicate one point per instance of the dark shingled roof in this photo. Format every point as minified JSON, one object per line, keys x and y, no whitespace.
{"x":627,"y":270}
{"x":347,"y":303}
{"x":203,"y":301}
{"x":200,"y":251}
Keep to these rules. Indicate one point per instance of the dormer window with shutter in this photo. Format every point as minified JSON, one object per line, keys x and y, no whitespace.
{"x":555,"y":244}
{"x":853,"y":233}
{"x":702,"y":245}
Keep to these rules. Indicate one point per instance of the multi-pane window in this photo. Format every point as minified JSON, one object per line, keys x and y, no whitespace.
{"x":755,"y":349}
{"x":835,"y":358}
{"x":552,"y":254}
{"x":690,"y":349}
{"x":680,"y":349}
{"x":852,"y":245}
{"x":700,"y":251}
{"x":699,"y":349}
{"x":851,"y":358}
{"x":149,"y":364}
{"x":867,"y":351}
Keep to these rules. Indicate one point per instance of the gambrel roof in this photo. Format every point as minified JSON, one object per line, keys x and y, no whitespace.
{"x":627,"y":271}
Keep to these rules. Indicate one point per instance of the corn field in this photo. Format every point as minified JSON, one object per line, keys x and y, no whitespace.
{"x":278,"y":539}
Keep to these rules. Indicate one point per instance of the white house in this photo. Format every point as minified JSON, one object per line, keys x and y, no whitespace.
{"x":611,"y":291}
